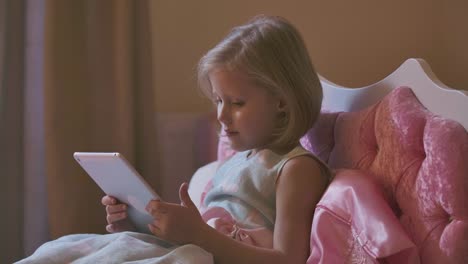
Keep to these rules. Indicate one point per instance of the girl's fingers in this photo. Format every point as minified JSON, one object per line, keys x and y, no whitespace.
{"x":112,"y":209}
{"x":110,"y":228}
{"x":155,"y":230}
{"x":116,"y":227}
{"x":158,"y":212}
{"x":108,"y":200}
{"x":157,"y":216}
{"x":184,"y":197}
{"x":112,"y":218}
{"x":156,"y":207}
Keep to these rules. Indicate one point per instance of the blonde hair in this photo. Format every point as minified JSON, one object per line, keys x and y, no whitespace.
{"x":272,"y":53}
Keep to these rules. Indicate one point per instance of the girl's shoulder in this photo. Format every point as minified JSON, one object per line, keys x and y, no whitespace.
{"x":305,"y":160}
{"x":304,"y":174}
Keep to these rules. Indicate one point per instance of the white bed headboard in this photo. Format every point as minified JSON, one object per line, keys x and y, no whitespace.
{"x":414,"y":73}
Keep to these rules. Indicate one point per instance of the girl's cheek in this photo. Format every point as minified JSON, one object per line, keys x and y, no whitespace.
{"x":240,"y":114}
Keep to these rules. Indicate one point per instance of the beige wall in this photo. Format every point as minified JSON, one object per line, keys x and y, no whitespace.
{"x":353,"y":43}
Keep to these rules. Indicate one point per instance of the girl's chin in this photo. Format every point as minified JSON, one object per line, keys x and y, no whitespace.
{"x":236,"y":147}
{"x":239,"y":148}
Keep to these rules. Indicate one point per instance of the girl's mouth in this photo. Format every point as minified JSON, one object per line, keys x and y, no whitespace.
{"x":228,"y":133}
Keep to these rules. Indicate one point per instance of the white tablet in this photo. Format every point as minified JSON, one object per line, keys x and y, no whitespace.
{"x":117,"y":178}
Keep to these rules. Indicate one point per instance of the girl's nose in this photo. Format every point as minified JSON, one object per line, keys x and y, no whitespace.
{"x":224,"y":116}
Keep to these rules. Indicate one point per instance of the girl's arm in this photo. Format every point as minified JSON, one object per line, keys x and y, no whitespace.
{"x":299,"y":188}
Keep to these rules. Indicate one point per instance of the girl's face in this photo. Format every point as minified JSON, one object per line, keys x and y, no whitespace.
{"x":247,"y":113}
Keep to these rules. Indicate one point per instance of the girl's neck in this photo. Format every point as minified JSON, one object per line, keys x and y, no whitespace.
{"x":278,"y":150}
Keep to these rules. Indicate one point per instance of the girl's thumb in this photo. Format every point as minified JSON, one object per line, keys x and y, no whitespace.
{"x":184,"y":197}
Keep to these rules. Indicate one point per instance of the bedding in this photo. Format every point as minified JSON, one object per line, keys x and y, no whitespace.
{"x":354,"y":224}
{"x":125,"y":247}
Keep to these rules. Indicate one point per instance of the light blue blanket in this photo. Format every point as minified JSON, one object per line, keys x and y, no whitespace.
{"x":125,"y":247}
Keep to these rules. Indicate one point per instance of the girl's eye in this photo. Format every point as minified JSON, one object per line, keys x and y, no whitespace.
{"x":238,"y":103}
{"x":217,"y":101}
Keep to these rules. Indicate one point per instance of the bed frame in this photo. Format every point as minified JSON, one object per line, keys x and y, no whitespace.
{"x":415,"y":73}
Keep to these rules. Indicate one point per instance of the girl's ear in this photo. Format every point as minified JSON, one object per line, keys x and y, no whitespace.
{"x":281,"y":107}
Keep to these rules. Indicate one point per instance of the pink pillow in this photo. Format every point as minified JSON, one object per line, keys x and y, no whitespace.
{"x":354,"y":224}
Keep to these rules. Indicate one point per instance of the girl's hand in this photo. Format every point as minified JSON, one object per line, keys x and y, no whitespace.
{"x":116,"y":215}
{"x":181,"y":224}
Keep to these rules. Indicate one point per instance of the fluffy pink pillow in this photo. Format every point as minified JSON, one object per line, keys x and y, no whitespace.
{"x":354,"y":224}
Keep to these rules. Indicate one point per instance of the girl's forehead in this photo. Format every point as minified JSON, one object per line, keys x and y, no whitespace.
{"x":230,"y":82}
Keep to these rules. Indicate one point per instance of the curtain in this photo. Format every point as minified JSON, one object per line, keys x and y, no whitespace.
{"x":11,"y":124}
{"x":75,"y":76}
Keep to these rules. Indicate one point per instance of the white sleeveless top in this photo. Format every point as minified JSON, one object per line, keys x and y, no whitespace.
{"x":245,"y":186}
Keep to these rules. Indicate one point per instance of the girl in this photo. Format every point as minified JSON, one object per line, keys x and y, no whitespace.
{"x":258,"y":208}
